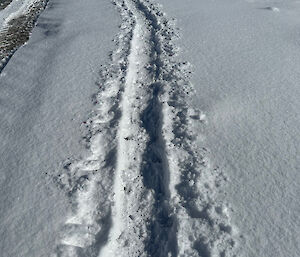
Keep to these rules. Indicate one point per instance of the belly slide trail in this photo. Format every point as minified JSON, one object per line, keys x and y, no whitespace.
{"x":145,"y":186}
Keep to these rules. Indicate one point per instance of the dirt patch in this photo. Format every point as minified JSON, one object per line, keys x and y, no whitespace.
{"x":17,"y":31}
{"x":4,"y":4}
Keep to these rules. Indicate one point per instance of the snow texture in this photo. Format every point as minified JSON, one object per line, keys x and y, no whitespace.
{"x":45,"y":94}
{"x":147,"y":188}
{"x":188,"y":145}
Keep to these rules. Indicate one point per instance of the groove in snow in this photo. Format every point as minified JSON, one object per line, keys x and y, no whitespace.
{"x":146,"y":188}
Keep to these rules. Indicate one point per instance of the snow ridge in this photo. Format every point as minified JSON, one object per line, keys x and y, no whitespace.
{"x":146,"y":187}
{"x":89,"y":182}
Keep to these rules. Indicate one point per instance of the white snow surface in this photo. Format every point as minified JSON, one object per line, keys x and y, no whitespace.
{"x":46,"y":91}
{"x":122,"y":135}
{"x":246,"y":64}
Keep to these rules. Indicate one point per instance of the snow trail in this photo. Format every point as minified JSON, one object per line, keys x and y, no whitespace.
{"x":131,"y":143}
{"x":140,"y":183}
{"x":146,"y":188}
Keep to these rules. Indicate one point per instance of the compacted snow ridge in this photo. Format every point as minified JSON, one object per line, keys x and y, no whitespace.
{"x":17,"y":25}
{"x":144,"y":188}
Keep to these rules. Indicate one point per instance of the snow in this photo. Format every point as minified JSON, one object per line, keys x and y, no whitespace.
{"x":46,"y":91}
{"x":153,"y":192}
{"x":159,"y":143}
{"x":246,"y":62}
{"x":20,"y":10}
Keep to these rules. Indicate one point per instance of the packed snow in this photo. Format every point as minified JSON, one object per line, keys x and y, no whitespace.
{"x":149,"y":128}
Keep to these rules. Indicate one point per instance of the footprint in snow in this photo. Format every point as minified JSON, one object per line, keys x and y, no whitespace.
{"x":272,"y":8}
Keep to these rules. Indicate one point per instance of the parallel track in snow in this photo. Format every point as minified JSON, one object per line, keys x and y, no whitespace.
{"x":146,"y":187}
